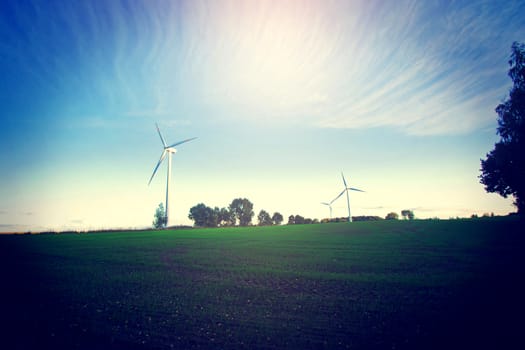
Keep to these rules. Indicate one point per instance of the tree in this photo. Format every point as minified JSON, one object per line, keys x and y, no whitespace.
{"x":225,"y":217}
{"x":391,"y":216}
{"x":299,"y":220}
{"x":203,"y":216}
{"x":159,"y":220}
{"x":291,"y":220}
{"x":242,"y":209}
{"x":407,"y":214}
{"x":277,"y":218}
{"x":264,"y":218}
{"x":503,"y":171}
{"x":211,"y":217}
{"x":198,"y":214}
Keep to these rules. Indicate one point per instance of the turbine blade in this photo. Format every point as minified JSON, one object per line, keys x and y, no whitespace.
{"x":355,"y":189}
{"x":344,"y":181}
{"x":158,"y":164}
{"x":161,"y":138}
{"x":180,"y":142}
{"x":339,"y":195}
{"x":325,"y":203}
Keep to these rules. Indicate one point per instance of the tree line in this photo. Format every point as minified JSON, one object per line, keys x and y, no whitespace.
{"x":239,"y":212}
{"x":300,"y":220}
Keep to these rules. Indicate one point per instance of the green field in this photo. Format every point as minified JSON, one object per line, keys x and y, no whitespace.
{"x":384,"y":285}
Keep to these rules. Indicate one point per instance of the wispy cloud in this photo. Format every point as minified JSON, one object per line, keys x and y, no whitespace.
{"x":423,"y":68}
{"x":435,"y":73}
{"x":418,"y":67}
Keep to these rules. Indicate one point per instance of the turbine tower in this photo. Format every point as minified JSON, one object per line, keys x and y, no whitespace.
{"x":347,"y":196}
{"x":168,"y":150}
{"x":329,"y":206}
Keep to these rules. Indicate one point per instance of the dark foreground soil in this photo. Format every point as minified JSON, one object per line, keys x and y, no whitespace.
{"x":412,"y":293}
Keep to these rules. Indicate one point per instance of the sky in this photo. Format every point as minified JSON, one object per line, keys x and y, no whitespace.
{"x":282,"y":96}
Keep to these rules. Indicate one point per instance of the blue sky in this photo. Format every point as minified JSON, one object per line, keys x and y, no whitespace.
{"x":283,"y":96}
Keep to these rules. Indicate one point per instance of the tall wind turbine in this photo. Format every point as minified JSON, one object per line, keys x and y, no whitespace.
{"x":168,"y":150}
{"x":347,"y":196}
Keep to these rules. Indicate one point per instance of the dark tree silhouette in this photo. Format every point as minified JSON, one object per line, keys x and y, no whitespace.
{"x":242,"y":209}
{"x":392,"y":216}
{"x":203,"y":216}
{"x":503,"y":171}
{"x":299,"y":220}
{"x":277,"y":218}
{"x":407,"y":214}
{"x":225,"y":217}
{"x":264,"y":218}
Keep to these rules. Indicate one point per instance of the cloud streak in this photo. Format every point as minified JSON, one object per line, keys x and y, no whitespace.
{"x":435,"y":72}
{"x":418,"y":67}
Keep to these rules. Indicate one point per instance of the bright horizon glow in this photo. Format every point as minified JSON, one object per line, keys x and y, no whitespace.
{"x":282,"y":96}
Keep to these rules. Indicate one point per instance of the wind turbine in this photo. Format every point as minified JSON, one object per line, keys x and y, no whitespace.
{"x":329,"y":206}
{"x":168,"y":150}
{"x":347,"y":196}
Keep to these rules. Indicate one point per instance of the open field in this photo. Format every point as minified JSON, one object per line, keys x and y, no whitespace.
{"x":385,"y":285}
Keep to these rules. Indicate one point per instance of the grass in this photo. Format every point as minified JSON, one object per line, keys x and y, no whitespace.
{"x":419,"y":284}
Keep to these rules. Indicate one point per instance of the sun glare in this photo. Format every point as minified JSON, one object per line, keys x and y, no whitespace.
{"x":270,"y":58}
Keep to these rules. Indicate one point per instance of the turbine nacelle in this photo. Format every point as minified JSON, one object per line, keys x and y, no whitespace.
{"x":167,"y":149}
{"x":354,"y":189}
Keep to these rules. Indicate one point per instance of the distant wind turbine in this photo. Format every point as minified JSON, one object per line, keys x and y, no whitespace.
{"x":329,"y":206}
{"x":168,"y":150}
{"x":347,"y":196}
